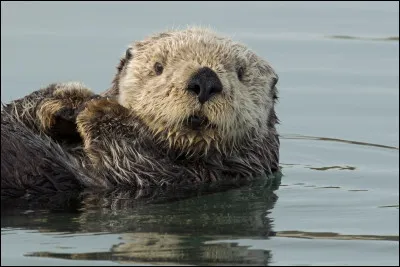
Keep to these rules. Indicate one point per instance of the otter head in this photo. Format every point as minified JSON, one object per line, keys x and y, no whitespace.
{"x":198,"y":90}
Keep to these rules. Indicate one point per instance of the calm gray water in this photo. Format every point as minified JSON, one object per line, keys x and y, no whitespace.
{"x":338,"y":202}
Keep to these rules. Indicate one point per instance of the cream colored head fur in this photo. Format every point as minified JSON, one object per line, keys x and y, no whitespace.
{"x":164,"y":103}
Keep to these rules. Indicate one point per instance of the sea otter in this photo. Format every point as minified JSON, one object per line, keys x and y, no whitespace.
{"x":186,"y":108}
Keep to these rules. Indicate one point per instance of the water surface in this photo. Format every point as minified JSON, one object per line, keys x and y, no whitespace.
{"x":338,"y":201}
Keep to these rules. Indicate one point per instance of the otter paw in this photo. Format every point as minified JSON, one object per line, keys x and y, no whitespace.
{"x":99,"y":115}
{"x":57,"y":114}
{"x":103,"y":108}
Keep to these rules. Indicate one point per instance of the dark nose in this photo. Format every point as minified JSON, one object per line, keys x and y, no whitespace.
{"x":205,"y":83}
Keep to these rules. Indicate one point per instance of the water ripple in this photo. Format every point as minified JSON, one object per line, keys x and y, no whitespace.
{"x":305,"y":137}
{"x":336,"y":236}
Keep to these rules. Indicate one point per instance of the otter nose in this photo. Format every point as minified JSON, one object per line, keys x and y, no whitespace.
{"x":205,"y":83}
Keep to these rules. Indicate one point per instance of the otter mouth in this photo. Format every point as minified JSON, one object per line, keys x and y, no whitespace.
{"x":196,"y":122}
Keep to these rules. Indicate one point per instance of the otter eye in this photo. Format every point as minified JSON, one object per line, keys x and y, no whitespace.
{"x":240,"y":73}
{"x":158,"y":68}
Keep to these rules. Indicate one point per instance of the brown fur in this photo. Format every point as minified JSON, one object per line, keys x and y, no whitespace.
{"x":52,"y":110}
{"x":63,"y":98}
{"x":136,"y":137}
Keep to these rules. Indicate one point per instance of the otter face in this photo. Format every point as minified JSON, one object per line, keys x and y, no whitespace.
{"x":197,"y":89}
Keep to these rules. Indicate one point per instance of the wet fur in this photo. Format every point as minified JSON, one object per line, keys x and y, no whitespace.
{"x":125,"y":140}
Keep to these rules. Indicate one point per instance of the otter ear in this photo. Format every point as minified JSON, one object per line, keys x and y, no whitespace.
{"x":274,"y":90}
{"x":114,"y":90}
{"x":125,"y":60}
{"x":273,"y":119}
{"x":271,"y":76}
{"x":128,"y":54}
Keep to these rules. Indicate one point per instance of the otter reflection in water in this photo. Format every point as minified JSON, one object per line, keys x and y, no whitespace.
{"x":157,"y":230}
